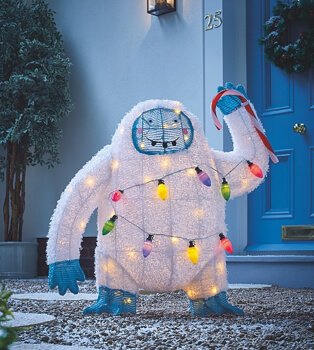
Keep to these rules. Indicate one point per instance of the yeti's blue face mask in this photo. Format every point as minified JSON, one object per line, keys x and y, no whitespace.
{"x":162,"y":131}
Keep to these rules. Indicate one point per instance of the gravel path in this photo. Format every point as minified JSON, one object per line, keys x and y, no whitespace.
{"x":276,"y":318}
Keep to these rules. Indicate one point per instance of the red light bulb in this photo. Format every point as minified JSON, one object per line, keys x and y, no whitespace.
{"x":255,"y":169}
{"x":226,"y":243}
{"x":116,"y":195}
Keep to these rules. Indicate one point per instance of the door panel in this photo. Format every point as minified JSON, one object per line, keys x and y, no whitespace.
{"x":281,"y":100}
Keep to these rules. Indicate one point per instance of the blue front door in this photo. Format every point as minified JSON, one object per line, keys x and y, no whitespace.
{"x":282,"y":100}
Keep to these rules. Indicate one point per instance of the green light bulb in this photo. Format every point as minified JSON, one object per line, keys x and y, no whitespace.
{"x":225,"y":189}
{"x":109,"y":225}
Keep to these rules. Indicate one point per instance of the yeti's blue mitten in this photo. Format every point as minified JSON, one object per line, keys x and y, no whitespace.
{"x":65,"y":274}
{"x":228,"y":104}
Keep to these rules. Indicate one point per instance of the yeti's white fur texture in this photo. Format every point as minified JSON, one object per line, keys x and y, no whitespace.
{"x":192,"y":210}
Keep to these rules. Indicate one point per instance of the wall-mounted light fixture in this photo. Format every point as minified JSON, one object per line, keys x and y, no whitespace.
{"x":160,"y":7}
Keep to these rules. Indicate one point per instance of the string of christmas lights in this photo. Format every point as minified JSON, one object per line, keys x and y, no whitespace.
{"x":162,"y":189}
{"x":192,"y":251}
{"x":163,"y":194}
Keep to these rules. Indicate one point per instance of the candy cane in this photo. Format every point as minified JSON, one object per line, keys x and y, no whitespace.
{"x":256,"y":123}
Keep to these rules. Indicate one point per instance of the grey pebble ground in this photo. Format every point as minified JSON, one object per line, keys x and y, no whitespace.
{"x":275,"y":318}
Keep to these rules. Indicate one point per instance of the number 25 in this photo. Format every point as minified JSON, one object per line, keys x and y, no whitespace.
{"x":212,"y":19}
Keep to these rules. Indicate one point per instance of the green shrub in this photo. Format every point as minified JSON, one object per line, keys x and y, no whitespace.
{"x":7,"y":334}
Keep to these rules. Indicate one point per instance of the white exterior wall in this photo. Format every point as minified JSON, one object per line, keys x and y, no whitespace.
{"x":121,"y":55}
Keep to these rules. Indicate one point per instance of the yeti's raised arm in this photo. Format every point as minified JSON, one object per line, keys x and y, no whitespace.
{"x":249,"y":146}
{"x":69,"y":220}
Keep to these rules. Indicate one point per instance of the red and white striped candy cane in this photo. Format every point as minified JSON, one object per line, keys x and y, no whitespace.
{"x":245,"y":103}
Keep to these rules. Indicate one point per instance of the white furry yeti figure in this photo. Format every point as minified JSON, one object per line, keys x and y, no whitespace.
{"x":161,"y":193}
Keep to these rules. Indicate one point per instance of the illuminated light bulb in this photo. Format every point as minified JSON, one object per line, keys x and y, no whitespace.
{"x":127,"y":300}
{"x":90,"y":182}
{"x":165,"y":163}
{"x":132,"y":255}
{"x":162,"y":190}
{"x":198,"y":213}
{"x":104,"y":268}
{"x":193,"y":252}
{"x":255,"y":169}
{"x":220,"y":267}
{"x":190,"y":172}
{"x":186,"y":137}
{"x":116,"y":195}
{"x":203,"y":177}
{"x":214,"y":290}
{"x":111,"y":266}
{"x":82,"y":225}
{"x":114,"y":164}
{"x":148,"y":246}
{"x":174,"y":239}
{"x":69,"y":189}
{"x":109,"y":225}
{"x":147,"y":179}
{"x":245,"y":183}
{"x":226,"y":243}
{"x":225,"y":189}
{"x":191,"y":293}
{"x":142,"y":145}
{"x":177,"y":111}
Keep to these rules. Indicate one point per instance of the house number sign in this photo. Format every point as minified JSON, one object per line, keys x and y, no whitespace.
{"x":213,"y":20}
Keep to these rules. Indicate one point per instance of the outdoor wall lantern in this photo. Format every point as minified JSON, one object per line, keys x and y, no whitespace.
{"x":160,"y":7}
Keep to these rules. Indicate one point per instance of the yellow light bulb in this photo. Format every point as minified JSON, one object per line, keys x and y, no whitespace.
{"x":162,"y":190}
{"x":142,"y":145}
{"x":193,"y":253}
{"x":186,"y":137}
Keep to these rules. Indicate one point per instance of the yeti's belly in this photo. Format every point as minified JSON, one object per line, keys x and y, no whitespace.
{"x":193,"y":212}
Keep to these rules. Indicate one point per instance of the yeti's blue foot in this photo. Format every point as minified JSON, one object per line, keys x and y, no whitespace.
{"x":216,"y":305}
{"x":113,"y":301}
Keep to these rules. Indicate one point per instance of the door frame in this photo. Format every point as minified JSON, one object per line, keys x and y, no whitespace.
{"x":235,"y":70}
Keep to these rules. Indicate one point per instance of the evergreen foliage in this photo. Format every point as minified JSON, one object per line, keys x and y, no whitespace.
{"x":7,"y":334}
{"x":34,"y":96}
{"x":297,"y":56}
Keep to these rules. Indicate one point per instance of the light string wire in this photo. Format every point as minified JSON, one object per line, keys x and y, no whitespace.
{"x":176,"y":172}
{"x":161,"y":178}
{"x":165,"y":235}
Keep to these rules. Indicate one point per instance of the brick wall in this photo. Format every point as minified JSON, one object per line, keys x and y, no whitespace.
{"x":86,"y":256}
